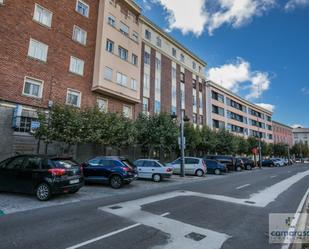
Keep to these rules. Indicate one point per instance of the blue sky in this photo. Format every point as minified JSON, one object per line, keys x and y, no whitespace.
{"x":256,"y":48}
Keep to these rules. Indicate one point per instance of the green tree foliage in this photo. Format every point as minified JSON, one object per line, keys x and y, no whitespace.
{"x":300,"y":150}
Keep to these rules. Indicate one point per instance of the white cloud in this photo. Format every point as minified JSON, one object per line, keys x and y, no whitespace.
{"x":297,"y":126}
{"x":196,"y":15}
{"x":268,"y":107}
{"x":188,"y":16}
{"x":292,"y":4}
{"x":305,"y":90}
{"x":238,"y":76}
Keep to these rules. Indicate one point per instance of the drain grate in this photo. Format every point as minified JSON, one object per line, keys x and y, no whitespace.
{"x":115,"y":207}
{"x":195,"y":236}
{"x":250,"y":202}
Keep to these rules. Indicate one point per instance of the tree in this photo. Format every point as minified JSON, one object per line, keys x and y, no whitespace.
{"x":225,"y":142}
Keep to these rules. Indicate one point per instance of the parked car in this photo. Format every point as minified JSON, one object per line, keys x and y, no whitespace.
{"x":214,"y":167}
{"x":43,"y":176}
{"x":298,"y":160}
{"x":267,"y":163}
{"x":248,"y":163}
{"x":278,"y":162}
{"x":193,"y":166}
{"x":306,"y":160}
{"x":112,"y":170}
{"x":229,"y":161}
{"x":152,"y":169}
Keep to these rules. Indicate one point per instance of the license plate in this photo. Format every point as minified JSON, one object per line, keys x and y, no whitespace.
{"x":74,"y":181}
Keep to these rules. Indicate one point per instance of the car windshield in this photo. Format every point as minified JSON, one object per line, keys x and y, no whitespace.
{"x":63,"y":163}
{"x":127,"y":163}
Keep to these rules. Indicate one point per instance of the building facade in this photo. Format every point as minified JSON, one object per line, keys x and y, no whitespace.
{"x":283,"y":134}
{"x":301,"y":135}
{"x":227,"y":110}
{"x":172,"y":77}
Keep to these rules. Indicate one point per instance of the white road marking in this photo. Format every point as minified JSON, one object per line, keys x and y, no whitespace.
{"x":274,"y":176}
{"x":103,"y":236}
{"x":165,"y":214}
{"x":287,"y":241}
{"x":243,"y":186}
{"x":176,"y":229}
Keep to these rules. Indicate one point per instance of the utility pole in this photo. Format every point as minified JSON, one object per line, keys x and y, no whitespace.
{"x":182,"y":142}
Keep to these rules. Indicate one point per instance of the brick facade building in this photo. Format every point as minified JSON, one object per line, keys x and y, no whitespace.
{"x":283,"y":134}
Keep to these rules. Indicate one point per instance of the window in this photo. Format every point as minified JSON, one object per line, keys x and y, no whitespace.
{"x":108,"y":73}
{"x":42,"y":15}
{"x":174,"y":52}
{"x":201,"y":119}
{"x":157,"y":106}
{"x":16,"y":163}
{"x":38,"y":50}
{"x":159,"y":42}
{"x":102,"y":104}
{"x":158,"y":64}
{"x":124,"y":29}
{"x":217,"y":96}
{"x":134,"y":59}
{"x":135,"y":36}
{"x":158,"y":85}
{"x":182,"y":58}
{"x":127,"y":111}
{"x":146,"y":58}
{"x":76,"y":66}
{"x":82,"y":8}
{"x":111,"y":20}
{"x":218,"y":124}
{"x":122,"y":79}
{"x":218,"y":110}
{"x":174,"y":73}
{"x":182,"y":77}
{"x":1,"y":1}
{"x":33,"y":87}
{"x":193,"y":65}
{"x":174,"y":91}
{"x":194,"y":100}
{"x":73,"y":98}
{"x":79,"y":35}
{"x":146,"y":81}
{"x":148,"y":34}
{"x":194,"y":118}
{"x":174,"y":110}
{"x":133,"y":84}
{"x":145,"y":105}
{"x":32,"y":162}
{"x":123,"y":53}
{"x":110,"y":46}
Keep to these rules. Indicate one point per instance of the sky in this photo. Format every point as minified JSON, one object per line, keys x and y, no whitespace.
{"x":258,"y":49}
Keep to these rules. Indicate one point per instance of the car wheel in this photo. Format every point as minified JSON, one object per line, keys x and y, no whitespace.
{"x":43,"y":192}
{"x":156,"y":177}
{"x":217,"y":172}
{"x":199,"y":173}
{"x":249,"y":167}
{"x":116,"y":182}
{"x":238,"y":168}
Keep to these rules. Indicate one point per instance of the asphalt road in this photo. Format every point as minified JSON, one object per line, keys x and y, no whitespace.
{"x":229,"y":211}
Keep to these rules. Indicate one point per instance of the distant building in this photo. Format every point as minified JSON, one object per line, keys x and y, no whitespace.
{"x":227,"y":110}
{"x":301,"y":135}
{"x":283,"y":134}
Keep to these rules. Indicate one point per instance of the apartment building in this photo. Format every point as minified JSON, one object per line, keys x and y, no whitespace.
{"x":172,"y":77}
{"x":282,"y":134}
{"x":227,"y":110}
{"x":301,"y":135}
{"x":80,"y":53}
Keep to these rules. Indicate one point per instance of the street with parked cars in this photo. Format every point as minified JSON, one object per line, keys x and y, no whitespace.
{"x":46,"y":176}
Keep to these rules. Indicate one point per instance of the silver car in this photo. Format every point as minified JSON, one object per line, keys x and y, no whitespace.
{"x":152,"y":169}
{"x":193,"y":166}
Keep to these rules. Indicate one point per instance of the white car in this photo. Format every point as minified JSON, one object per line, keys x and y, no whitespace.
{"x":278,"y":162}
{"x":193,"y":166}
{"x":152,"y":169}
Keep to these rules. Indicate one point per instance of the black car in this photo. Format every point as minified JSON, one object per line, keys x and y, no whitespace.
{"x":214,"y":167}
{"x":114,"y":171}
{"x":229,"y":161}
{"x":248,"y":163}
{"x":268,"y":163}
{"x":40,"y":175}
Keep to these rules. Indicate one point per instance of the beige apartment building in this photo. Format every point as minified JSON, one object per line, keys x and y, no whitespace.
{"x":227,"y":110}
{"x":118,"y":52}
{"x":172,"y":77}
